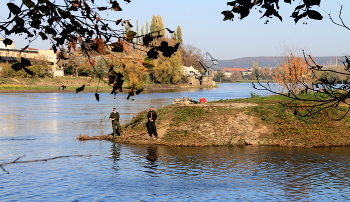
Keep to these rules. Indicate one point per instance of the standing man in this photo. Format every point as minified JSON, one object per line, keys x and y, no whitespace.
{"x":151,"y":124}
{"x":115,"y":122}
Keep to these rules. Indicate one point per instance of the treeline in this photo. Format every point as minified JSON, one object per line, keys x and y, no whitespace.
{"x":130,"y":63}
{"x":273,"y":61}
{"x":291,"y":71}
{"x":40,"y":68}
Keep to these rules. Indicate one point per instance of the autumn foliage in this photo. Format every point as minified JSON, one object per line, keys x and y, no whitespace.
{"x":294,"y":74}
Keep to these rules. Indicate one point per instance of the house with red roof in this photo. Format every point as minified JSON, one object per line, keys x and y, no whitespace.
{"x":228,"y":71}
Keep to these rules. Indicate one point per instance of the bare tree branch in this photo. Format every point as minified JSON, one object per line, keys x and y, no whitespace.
{"x":37,"y":160}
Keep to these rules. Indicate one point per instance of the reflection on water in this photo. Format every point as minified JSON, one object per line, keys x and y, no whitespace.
{"x":26,"y":113}
{"x":46,"y":125}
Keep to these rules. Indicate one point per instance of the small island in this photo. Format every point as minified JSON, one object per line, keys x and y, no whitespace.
{"x":238,"y":122}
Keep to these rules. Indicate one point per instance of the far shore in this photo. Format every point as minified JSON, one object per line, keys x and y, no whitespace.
{"x":52,"y":85}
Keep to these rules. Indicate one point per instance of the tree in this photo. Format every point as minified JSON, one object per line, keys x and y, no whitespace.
{"x":168,"y":70}
{"x":191,"y":55}
{"x":157,"y":24}
{"x":343,"y":77}
{"x":80,"y":22}
{"x":236,"y":75}
{"x":164,"y":69}
{"x":243,"y":7}
{"x":325,"y":93}
{"x":77,"y":23}
{"x":293,"y":70}
{"x":177,"y":35}
{"x":41,"y":68}
{"x":266,"y":73}
{"x":220,"y":76}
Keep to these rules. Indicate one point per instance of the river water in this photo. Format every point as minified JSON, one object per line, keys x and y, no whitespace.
{"x":45,"y":126}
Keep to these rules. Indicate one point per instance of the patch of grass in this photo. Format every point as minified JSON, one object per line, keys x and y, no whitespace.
{"x":20,"y":87}
{"x":253,"y":94}
{"x":189,"y":114}
{"x":184,"y":138}
{"x":285,"y":128}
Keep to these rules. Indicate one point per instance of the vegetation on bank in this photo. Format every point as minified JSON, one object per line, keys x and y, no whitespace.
{"x":238,"y":122}
{"x":289,"y":129}
{"x":194,"y":125}
{"x":52,"y":84}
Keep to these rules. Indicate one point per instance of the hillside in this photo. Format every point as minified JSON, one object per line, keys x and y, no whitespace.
{"x":264,"y":61}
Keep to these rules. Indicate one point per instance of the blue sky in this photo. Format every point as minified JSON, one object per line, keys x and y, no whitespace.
{"x":202,"y":26}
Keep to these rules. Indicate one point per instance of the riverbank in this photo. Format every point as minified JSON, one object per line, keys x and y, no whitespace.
{"x":51,"y":85}
{"x":238,"y":122}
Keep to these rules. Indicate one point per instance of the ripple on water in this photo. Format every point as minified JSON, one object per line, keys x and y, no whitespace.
{"x":117,"y":172}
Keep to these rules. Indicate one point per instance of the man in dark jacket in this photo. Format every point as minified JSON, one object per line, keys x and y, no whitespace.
{"x":151,"y":124}
{"x":115,"y":122}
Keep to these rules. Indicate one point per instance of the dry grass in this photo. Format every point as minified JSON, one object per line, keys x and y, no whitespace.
{"x":258,"y":121}
{"x":100,"y":137}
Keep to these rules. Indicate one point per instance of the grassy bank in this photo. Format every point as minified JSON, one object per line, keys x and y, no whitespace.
{"x":289,"y":129}
{"x":52,"y":84}
{"x":255,"y":121}
{"x":254,"y":81}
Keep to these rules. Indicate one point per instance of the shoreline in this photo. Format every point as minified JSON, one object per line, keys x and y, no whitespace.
{"x":88,"y":90}
{"x":51,"y":85}
{"x":252,"y":121}
{"x":238,"y":122}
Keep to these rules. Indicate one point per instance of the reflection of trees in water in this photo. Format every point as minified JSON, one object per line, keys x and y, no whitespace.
{"x":115,"y":155}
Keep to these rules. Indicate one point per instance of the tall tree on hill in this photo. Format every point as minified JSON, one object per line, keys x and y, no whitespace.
{"x":168,"y":70}
{"x":147,"y":27}
{"x":157,"y":24}
{"x":177,"y":35}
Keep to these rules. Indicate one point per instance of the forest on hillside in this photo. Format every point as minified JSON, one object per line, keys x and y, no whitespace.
{"x":272,"y":61}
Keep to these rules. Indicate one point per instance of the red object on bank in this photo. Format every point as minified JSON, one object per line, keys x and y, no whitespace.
{"x":202,"y":100}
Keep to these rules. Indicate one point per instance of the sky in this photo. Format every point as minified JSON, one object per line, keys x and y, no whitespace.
{"x":202,"y":26}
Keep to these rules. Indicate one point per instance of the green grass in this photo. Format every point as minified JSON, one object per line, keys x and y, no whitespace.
{"x":285,"y":128}
{"x":189,"y":114}
{"x":316,"y":130}
{"x":254,"y":81}
{"x":19,"y":87}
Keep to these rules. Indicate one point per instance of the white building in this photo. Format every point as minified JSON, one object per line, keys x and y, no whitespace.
{"x":190,"y":71}
{"x":10,"y":54}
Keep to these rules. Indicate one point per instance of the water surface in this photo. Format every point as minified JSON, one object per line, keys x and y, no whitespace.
{"x":40,"y":126}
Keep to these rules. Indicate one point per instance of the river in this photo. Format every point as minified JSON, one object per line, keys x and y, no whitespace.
{"x":36,"y":126}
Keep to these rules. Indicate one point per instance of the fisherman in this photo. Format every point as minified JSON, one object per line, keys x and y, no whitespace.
{"x":151,"y":124}
{"x":115,"y":122}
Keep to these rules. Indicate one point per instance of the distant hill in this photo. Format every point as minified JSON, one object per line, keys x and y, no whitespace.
{"x":274,"y":61}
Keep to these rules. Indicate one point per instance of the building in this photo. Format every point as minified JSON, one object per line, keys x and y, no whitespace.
{"x":228,"y":71}
{"x":190,"y":71}
{"x":10,"y":54}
